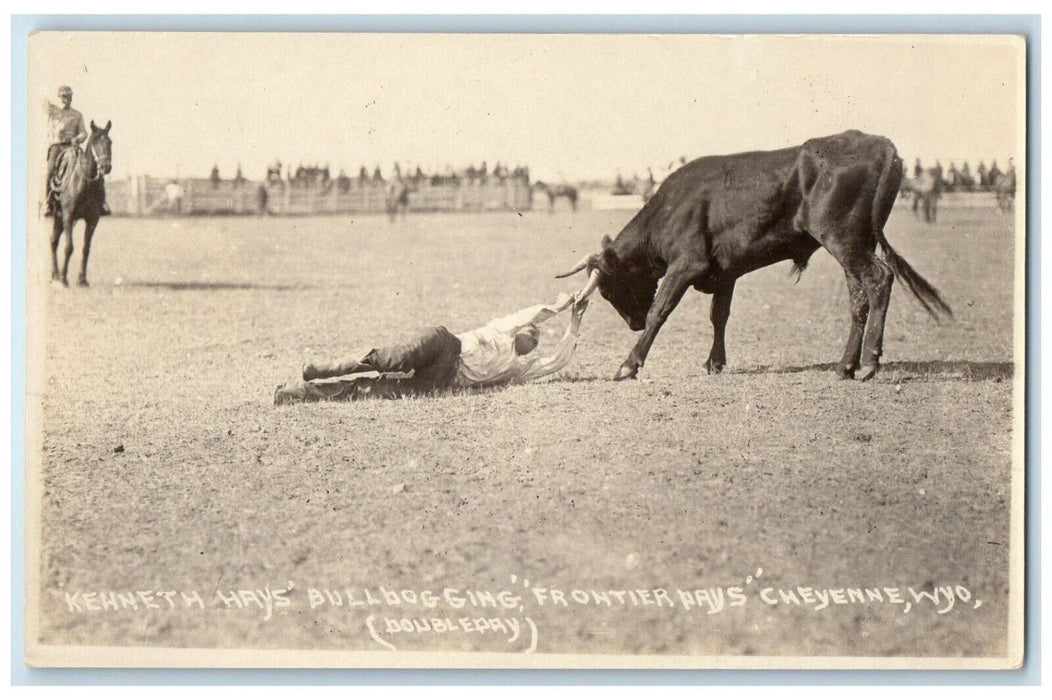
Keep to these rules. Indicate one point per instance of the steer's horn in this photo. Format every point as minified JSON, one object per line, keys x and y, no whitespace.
{"x":581,"y":264}
{"x":593,"y":282}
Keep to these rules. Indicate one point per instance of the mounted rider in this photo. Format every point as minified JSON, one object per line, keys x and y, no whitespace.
{"x":65,"y":129}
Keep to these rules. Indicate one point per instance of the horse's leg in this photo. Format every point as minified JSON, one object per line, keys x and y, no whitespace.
{"x":89,"y":230}
{"x":56,"y":236}
{"x":67,"y":229}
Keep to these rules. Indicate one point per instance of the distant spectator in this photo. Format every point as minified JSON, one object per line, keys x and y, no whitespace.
{"x":274,"y":171}
{"x":215,"y":176}
{"x":984,"y":180}
{"x":967,"y":181}
{"x":262,"y":199}
{"x":952,"y":176}
{"x":918,"y":169}
{"x":994,"y":175}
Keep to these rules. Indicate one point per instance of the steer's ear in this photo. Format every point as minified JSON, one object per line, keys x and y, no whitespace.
{"x":606,"y":242}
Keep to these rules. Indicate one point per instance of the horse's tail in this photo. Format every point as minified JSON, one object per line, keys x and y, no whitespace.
{"x":883,"y":201}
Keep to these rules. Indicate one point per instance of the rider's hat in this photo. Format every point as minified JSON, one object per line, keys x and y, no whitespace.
{"x":65,"y":90}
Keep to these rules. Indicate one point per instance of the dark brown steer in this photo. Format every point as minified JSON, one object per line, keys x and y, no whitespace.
{"x":718,"y":218}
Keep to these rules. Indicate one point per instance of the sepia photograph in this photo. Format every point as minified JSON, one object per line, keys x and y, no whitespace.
{"x":419,"y":350}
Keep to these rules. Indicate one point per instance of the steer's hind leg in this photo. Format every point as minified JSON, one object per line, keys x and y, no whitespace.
{"x":859,"y":306}
{"x":719,"y":313}
{"x":674,"y":285}
{"x":876,"y":280}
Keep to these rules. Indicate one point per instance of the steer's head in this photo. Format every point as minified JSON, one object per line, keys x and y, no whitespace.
{"x":628,"y":284}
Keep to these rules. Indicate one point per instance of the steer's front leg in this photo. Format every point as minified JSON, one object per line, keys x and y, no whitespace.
{"x":672,"y":289}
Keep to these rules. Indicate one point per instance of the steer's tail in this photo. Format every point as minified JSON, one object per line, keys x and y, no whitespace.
{"x":884,"y":199}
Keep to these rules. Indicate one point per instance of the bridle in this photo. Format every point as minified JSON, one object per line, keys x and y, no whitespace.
{"x":94,"y":159}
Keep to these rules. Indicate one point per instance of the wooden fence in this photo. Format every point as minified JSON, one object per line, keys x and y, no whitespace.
{"x":148,"y":196}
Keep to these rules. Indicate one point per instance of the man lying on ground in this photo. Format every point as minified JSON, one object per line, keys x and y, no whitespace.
{"x":501,"y":352}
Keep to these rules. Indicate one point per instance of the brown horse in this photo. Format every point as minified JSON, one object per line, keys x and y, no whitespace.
{"x":78,"y":190}
{"x":556,"y":191}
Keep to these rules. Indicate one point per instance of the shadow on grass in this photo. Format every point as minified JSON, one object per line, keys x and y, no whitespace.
{"x":578,"y":380}
{"x":210,"y":286}
{"x":934,"y":368}
{"x":433,"y":395}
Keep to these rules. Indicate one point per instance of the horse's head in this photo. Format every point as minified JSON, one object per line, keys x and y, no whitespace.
{"x":100,"y":147}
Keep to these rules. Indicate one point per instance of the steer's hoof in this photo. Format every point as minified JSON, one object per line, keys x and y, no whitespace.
{"x":626,"y":372}
{"x":867,"y":372}
{"x":309,"y":371}
{"x":82,"y":283}
{"x":713,"y":367}
{"x":845,"y":372}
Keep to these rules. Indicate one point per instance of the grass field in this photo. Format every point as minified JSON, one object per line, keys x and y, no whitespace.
{"x":166,"y":468}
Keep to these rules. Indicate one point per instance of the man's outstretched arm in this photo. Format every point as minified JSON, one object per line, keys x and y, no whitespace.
{"x":564,"y":351}
{"x":531,"y":315}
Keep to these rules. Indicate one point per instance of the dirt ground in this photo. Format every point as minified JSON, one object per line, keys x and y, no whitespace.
{"x":680,"y":514}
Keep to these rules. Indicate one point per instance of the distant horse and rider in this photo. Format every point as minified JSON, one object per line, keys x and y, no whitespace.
{"x":398,"y":198}
{"x":78,"y":194}
{"x":928,"y":185}
{"x":926,"y":189}
{"x":556,"y":191}
{"x":1004,"y":189}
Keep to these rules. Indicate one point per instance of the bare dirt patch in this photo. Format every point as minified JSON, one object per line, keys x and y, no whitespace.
{"x":773,"y":475}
